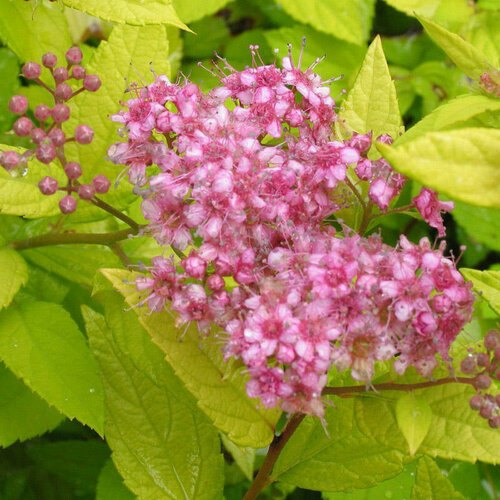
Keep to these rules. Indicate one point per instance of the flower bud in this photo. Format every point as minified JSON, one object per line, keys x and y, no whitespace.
{"x":60,"y":113}
{"x":67,"y":204}
{"x":84,"y":134}
{"x":492,"y":340}
{"x":476,"y":402}
{"x":92,"y":83}
{"x":74,"y":55}
{"x":18,"y":104}
{"x":494,"y":422}
{"x":57,"y":136}
{"x":48,"y":185}
{"x":42,"y":112}
{"x":78,"y":72}
{"x":63,"y":92}
{"x":60,"y":74}
{"x":482,"y":382}
{"x":486,"y":411}
{"x":9,"y":159}
{"x":38,"y":135}
{"x":45,"y":152}
{"x":31,"y":70}
{"x":22,"y":126}
{"x":483,"y":359}
{"x":49,"y":60}
{"x":86,"y":191}
{"x":101,"y":184}
{"x":73,"y":170}
{"x":468,"y":365}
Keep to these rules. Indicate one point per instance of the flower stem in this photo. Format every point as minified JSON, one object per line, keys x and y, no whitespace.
{"x":263,"y":479}
{"x":113,"y":211}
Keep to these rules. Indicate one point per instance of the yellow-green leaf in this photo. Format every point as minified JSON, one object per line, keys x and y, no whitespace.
{"x":110,"y":484}
{"x":462,"y":53}
{"x":484,"y":34}
{"x":414,"y":416}
{"x":130,"y":11}
{"x":462,"y":164}
{"x":218,"y":386}
{"x":432,"y":484}
{"x":13,"y":275}
{"x":193,"y":10}
{"x":487,"y":283}
{"x":372,"y":103}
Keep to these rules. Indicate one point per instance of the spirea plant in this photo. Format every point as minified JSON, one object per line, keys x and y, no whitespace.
{"x":235,"y":274}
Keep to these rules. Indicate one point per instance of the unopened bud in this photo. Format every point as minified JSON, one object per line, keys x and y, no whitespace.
{"x":9,"y":159}
{"x":60,"y":74}
{"x":63,"y":92}
{"x":57,"y":136}
{"x":494,"y":422}
{"x":42,"y":112}
{"x":78,"y":72}
{"x":86,"y":191}
{"x":60,"y":113}
{"x":91,"y":83}
{"x":48,"y":185}
{"x":67,"y":204}
{"x":22,"y":126}
{"x":468,"y":365}
{"x":492,"y":340}
{"x":45,"y":152}
{"x":101,"y":184}
{"x":38,"y":135}
{"x":73,"y":170}
{"x":74,"y":55}
{"x":476,"y":402}
{"x":84,"y":134}
{"x":18,"y":104}
{"x":49,"y":60}
{"x":482,"y":382}
{"x":31,"y":70}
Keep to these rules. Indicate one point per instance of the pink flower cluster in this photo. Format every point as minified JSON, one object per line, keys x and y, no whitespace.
{"x":248,"y":175}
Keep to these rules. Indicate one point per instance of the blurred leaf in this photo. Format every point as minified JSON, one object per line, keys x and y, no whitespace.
{"x":411,"y":50}
{"x":9,"y":83}
{"x":414,"y":416}
{"x":349,"y":20}
{"x":163,"y":446}
{"x":462,"y":164}
{"x":218,"y":386}
{"x":487,"y":283}
{"x":244,"y":457}
{"x":130,"y":11}
{"x":13,"y":275}
{"x":110,"y":484}
{"x":432,"y":484}
{"x":210,"y":35}
{"x":193,"y":10}
{"x":488,"y":4}
{"x":18,"y":407}
{"x":372,"y":103}
{"x":484,"y":34}
{"x":42,"y":345}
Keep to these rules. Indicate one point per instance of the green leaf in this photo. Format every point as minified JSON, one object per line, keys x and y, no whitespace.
{"x":110,"y":484}
{"x":218,"y":386}
{"x":372,"y":103}
{"x":432,"y":484}
{"x":453,"y":114}
{"x":31,"y":31}
{"x":485,"y":35}
{"x":244,"y":457}
{"x":9,"y":84}
{"x":462,"y":164}
{"x":341,"y":460}
{"x":163,"y":446}
{"x":462,"y":53}
{"x":78,"y":462}
{"x":196,"y":9}
{"x":127,"y":56}
{"x":414,"y":417}
{"x":13,"y":275}
{"x":42,"y":345}
{"x":487,"y":283}
{"x":349,"y":20}
{"x":130,"y":11}
{"x":18,"y":406}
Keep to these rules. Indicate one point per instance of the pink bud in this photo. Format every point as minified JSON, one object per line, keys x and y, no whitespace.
{"x":84,"y":134}
{"x":48,"y":185}
{"x":31,"y":70}
{"x":60,"y":113}
{"x":67,"y":204}
{"x":18,"y":104}
{"x":101,"y":184}
{"x":57,"y":136}
{"x":73,"y":170}
{"x":63,"y":92}
{"x":22,"y":126}
{"x":78,"y":72}
{"x":42,"y":112}
{"x":9,"y":159}
{"x":92,"y":83}
{"x":86,"y":191}
{"x":60,"y":74}
{"x":49,"y":60}
{"x":215,"y":282}
{"x":45,"y":152}
{"x":38,"y":135}
{"x":74,"y":55}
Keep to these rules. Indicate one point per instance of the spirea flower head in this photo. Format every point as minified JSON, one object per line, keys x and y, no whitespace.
{"x":249,"y":173}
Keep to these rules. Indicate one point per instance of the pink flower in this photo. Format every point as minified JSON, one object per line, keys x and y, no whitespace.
{"x":430,"y":209}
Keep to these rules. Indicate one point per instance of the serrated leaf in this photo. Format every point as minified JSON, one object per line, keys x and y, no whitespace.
{"x":13,"y":275}
{"x":127,"y":56}
{"x":414,"y":416}
{"x":462,"y":53}
{"x":346,"y":19}
{"x":487,"y":283}
{"x":138,"y":13}
{"x":110,"y":484}
{"x":432,"y":484}
{"x":163,"y":446}
{"x":372,"y":103}
{"x":31,"y":31}
{"x":218,"y":386}
{"x":196,"y":9}
{"x":42,"y":345}
{"x":344,"y":459}
{"x":451,"y":115}
{"x":18,"y":405}
{"x":462,"y":164}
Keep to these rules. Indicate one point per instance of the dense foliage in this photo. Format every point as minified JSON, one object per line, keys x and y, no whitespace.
{"x":227,"y":272}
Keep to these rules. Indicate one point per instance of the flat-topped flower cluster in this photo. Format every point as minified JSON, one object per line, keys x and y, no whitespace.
{"x":248,"y":178}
